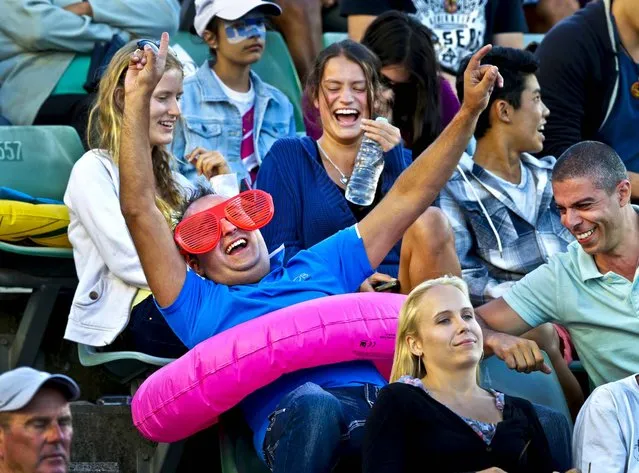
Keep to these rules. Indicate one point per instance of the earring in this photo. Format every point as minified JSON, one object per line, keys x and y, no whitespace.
{"x":420,"y":363}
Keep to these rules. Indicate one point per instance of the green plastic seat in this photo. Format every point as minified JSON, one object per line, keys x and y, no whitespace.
{"x":275,"y":67}
{"x":73,"y":79}
{"x":333,"y":37}
{"x":532,"y":37}
{"x":123,"y":365}
{"x":36,"y":160}
{"x":194,"y":45}
{"x":41,"y":161}
{"x":536,"y":387}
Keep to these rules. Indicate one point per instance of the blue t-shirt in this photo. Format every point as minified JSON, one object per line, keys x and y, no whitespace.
{"x":337,"y":265}
{"x":620,"y":130}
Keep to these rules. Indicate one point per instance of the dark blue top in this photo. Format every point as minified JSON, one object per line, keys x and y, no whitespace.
{"x":309,"y":206}
{"x":621,"y":129}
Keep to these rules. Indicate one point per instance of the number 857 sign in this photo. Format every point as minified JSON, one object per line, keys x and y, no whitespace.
{"x":10,"y":151}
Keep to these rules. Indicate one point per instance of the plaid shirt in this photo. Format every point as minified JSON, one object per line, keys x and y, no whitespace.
{"x":525,"y":244}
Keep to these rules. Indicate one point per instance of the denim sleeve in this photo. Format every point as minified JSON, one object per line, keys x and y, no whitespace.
{"x":534,"y":297}
{"x":345,"y":255}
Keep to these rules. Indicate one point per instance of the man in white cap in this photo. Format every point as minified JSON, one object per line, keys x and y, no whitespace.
{"x":35,"y":421}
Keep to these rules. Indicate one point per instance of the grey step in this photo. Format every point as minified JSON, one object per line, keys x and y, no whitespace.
{"x":94,"y":467}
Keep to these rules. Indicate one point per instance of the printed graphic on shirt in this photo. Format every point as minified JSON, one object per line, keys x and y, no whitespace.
{"x":459,"y":25}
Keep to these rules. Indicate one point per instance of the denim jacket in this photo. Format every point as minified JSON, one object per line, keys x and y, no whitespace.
{"x":482,"y":230}
{"x":210,"y":120}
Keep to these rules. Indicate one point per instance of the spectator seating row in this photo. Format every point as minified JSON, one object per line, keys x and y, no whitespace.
{"x":37,"y":161}
{"x":276,"y":68}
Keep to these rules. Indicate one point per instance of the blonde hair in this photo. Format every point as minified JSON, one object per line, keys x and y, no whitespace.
{"x":405,"y":363}
{"x":105,"y":124}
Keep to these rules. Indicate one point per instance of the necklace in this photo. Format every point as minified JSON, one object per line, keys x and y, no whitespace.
{"x":634,"y":88}
{"x":344,"y":178}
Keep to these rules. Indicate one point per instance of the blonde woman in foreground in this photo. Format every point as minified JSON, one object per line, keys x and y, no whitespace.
{"x":434,"y":416}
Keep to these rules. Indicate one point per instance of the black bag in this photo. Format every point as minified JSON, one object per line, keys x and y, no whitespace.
{"x":102,"y":54}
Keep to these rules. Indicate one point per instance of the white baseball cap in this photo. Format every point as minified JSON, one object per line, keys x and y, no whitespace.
{"x":19,"y":386}
{"x":229,"y":10}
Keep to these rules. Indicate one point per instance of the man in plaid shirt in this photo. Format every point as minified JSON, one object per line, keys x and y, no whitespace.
{"x":500,"y":204}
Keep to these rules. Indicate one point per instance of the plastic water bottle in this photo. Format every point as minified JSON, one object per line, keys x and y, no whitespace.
{"x":369,"y":165}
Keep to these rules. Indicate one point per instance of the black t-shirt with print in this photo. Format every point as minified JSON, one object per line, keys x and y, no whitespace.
{"x":461,"y":26}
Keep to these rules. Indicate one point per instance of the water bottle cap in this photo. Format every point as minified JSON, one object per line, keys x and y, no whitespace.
{"x":381,"y":119}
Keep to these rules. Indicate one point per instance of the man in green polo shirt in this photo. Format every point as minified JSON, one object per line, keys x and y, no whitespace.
{"x":593,"y":288}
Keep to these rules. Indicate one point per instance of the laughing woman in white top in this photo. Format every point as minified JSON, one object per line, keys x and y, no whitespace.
{"x":112,"y":304}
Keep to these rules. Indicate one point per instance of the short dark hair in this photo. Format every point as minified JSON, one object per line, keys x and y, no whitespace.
{"x":594,"y":160}
{"x":192,"y":195}
{"x":514,"y":66}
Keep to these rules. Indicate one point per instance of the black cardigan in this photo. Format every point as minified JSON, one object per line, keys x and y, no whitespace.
{"x":409,"y":431}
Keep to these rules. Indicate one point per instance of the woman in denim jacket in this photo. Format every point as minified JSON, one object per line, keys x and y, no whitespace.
{"x":226,"y":107}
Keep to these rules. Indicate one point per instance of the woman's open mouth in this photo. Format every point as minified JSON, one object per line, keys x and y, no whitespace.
{"x":346,"y":116}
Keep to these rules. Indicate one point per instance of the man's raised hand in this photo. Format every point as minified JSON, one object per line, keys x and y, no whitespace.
{"x":479,"y":82}
{"x":146,"y":68}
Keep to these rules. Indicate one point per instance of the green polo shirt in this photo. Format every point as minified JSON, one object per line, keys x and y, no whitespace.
{"x":601,"y":311}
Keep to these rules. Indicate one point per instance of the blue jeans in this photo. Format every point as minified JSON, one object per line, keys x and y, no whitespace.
{"x":559,"y":436}
{"x":313,"y":428}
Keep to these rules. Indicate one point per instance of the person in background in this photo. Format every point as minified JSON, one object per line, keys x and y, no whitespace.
{"x":434,"y":411}
{"x":302,"y":23}
{"x":460,"y":26}
{"x":606,"y":435}
{"x":39,"y":41}
{"x":589,"y":74}
{"x":542,"y":15}
{"x":500,"y":204}
{"x":112,"y":305}
{"x":226,"y":108}
{"x":423,"y":101}
{"x":307,"y":178}
{"x":35,"y":421}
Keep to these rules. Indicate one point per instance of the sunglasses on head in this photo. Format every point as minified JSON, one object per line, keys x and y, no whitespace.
{"x":201,"y":232}
{"x":155,"y":46}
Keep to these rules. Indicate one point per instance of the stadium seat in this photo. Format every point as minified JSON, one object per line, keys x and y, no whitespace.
{"x":237,"y":454}
{"x":532,"y":37}
{"x":330,"y":38}
{"x":275,"y":67}
{"x":536,"y":387}
{"x":74,"y":77}
{"x":36,"y":161}
{"x":123,"y":365}
{"x":236,"y":446}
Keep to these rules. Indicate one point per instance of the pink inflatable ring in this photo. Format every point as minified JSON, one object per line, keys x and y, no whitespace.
{"x":190,"y":393}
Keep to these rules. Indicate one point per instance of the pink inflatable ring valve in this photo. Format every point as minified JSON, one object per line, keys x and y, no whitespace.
{"x":190,"y":393}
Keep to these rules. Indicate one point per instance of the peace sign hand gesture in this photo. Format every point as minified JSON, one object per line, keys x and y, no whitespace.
{"x":146,"y":68}
{"x":479,"y":82}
